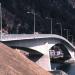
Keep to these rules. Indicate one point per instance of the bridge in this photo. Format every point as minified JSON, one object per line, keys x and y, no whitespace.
{"x":41,"y":43}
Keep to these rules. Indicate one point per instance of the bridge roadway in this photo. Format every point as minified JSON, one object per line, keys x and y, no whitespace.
{"x":39,"y":42}
{"x":11,"y":37}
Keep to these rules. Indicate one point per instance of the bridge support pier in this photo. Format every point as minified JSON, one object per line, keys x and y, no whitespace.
{"x":44,"y":62}
{"x":72,"y":59}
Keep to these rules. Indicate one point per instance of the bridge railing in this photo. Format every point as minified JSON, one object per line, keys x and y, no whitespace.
{"x":9,"y":37}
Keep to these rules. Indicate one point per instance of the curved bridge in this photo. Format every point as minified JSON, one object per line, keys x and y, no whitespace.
{"x":39,"y":42}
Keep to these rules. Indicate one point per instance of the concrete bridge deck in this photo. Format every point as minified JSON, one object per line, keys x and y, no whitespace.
{"x":39,"y":42}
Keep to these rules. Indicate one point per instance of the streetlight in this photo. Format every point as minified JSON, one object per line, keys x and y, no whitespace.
{"x":72,"y":38}
{"x":0,"y":21}
{"x":67,"y":30}
{"x":60,"y":27}
{"x":33,"y":12}
{"x":51,"y":23}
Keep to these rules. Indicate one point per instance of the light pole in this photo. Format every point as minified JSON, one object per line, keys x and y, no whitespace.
{"x":60,"y":27}
{"x":72,"y":38}
{"x":67,"y":30}
{"x":51,"y":26}
{"x":0,"y":21}
{"x":33,"y":12}
{"x":51,"y":23}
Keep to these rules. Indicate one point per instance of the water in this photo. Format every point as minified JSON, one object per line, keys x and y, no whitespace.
{"x":68,"y":68}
